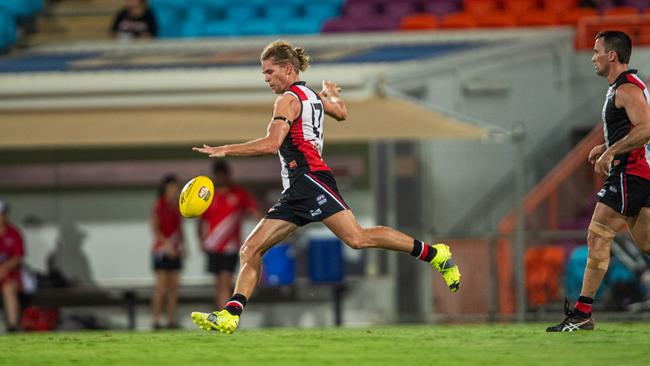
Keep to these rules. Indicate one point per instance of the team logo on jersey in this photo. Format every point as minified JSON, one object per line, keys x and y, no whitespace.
{"x":321,"y":199}
{"x":315,"y":212}
{"x":293,"y":164}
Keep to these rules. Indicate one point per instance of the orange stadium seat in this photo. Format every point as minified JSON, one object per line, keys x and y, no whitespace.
{"x":537,"y":18}
{"x":559,"y":6}
{"x":459,"y":20}
{"x":496,"y":19}
{"x":419,"y":22}
{"x":480,"y":6}
{"x":621,"y":10}
{"x":519,"y":6}
{"x":571,"y":16}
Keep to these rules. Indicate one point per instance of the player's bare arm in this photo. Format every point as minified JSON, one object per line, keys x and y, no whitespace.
{"x":332,"y":102}
{"x":285,"y":110}
{"x":631,"y":98}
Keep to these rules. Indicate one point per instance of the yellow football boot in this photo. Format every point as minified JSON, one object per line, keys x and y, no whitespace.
{"x":220,"y":320}
{"x":442,"y":263}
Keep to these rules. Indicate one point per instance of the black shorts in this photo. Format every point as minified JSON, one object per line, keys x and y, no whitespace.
{"x":222,"y":262}
{"x":312,"y":197}
{"x":625,"y":193}
{"x":162,"y":262}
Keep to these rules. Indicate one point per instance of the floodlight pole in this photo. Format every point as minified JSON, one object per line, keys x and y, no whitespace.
{"x":519,"y":139}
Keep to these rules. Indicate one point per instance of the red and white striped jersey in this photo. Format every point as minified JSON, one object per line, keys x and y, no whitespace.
{"x":224,"y":220}
{"x":617,"y":124}
{"x":301,"y":149}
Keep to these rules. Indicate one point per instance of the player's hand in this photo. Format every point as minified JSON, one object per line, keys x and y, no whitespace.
{"x":596,"y":152}
{"x":603,"y":164}
{"x":211,"y":151}
{"x":330,"y":89}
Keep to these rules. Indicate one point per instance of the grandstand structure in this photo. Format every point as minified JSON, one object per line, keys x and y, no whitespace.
{"x":435,"y":89}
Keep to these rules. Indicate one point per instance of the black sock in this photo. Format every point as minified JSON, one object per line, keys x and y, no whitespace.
{"x":236,"y":304}
{"x":423,"y":251}
{"x":583,"y":306}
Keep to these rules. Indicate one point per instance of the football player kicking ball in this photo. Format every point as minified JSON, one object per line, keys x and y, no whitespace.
{"x":310,"y":193}
{"x":625,"y":197}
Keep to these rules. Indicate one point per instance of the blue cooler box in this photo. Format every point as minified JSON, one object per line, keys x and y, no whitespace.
{"x":326,"y":260}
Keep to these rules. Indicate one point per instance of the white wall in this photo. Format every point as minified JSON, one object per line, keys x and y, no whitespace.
{"x":116,"y":238}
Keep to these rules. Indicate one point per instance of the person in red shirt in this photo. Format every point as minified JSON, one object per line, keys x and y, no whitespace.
{"x":220,"y":229}
{"x":11,"y":254}
{"x":168,"y":249}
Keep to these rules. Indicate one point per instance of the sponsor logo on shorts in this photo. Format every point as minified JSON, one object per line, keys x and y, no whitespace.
{"x":315,"y":212}
{"x":321,"y":199}
{"x":601,"y":193}
{"x":613,"y":189}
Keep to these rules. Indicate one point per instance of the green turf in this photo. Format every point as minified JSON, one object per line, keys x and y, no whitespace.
{"x":610,"y":344}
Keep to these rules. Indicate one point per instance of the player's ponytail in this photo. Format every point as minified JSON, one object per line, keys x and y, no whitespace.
{"x":302,"y":57}
{"x":282,"y":53}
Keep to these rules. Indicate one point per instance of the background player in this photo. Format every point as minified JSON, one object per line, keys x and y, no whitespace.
{"x":168,"y":250}
{"x":220,"y":229}
{"x":310,"y":194}
{"x":625,"y":196}
{"x":11,"y":254}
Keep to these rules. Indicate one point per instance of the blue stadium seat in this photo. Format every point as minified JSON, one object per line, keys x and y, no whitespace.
{"x":321,"y":11}
{"x":259,"y":27}
{"x":170,"y":15}
{"x":7,"y":31}
{"x":241,"y":12}
{"x":280,"y":11}
{"x":301,"y":26}
{"x":22,"y":10}
{"x":221,"y":28}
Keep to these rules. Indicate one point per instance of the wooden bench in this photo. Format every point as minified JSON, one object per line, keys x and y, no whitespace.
{"x":130,"y":297}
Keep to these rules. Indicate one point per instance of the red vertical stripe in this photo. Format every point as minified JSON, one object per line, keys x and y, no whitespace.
{"x":309,"y":151}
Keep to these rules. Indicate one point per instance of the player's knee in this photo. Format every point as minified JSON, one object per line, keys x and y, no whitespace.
{"x":248,"y":252}
{"x":599,"y":235}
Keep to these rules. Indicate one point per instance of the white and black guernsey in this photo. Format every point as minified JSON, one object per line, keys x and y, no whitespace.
{"x":301,"y":149}
{"x":616,"y":125}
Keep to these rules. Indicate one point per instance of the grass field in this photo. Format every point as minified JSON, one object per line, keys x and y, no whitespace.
{"x":610,"y":344}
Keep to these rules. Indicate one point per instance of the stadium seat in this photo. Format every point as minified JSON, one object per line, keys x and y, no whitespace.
{"x":641,"y":5}
{"x":621,"y":10}
{"x":571,"y":16}
{"x":519,"y":7}
{"x":321,"y":10}
{"x":459,"y":20}
{"x":241,"y":12}
{"x":221,"y":28}
{"x":170,"y":16}
{"x":7,"y":31}
{"x":22,"y":10}
{"x":497,"y":19}
{"x":537,"y":18}
{"x":301,"y":26}
{"x":376,"y":23}
{"x":280,"y":11}
{"x":265,"y":26}
{"x":399,"y":9}
{"x":419,"y":22}
{"x":559,"y":6}
{"x":480,"y":7}
{"x":442,"y":7}
{"x":338,"y":24}
{"x":361,"y":9}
